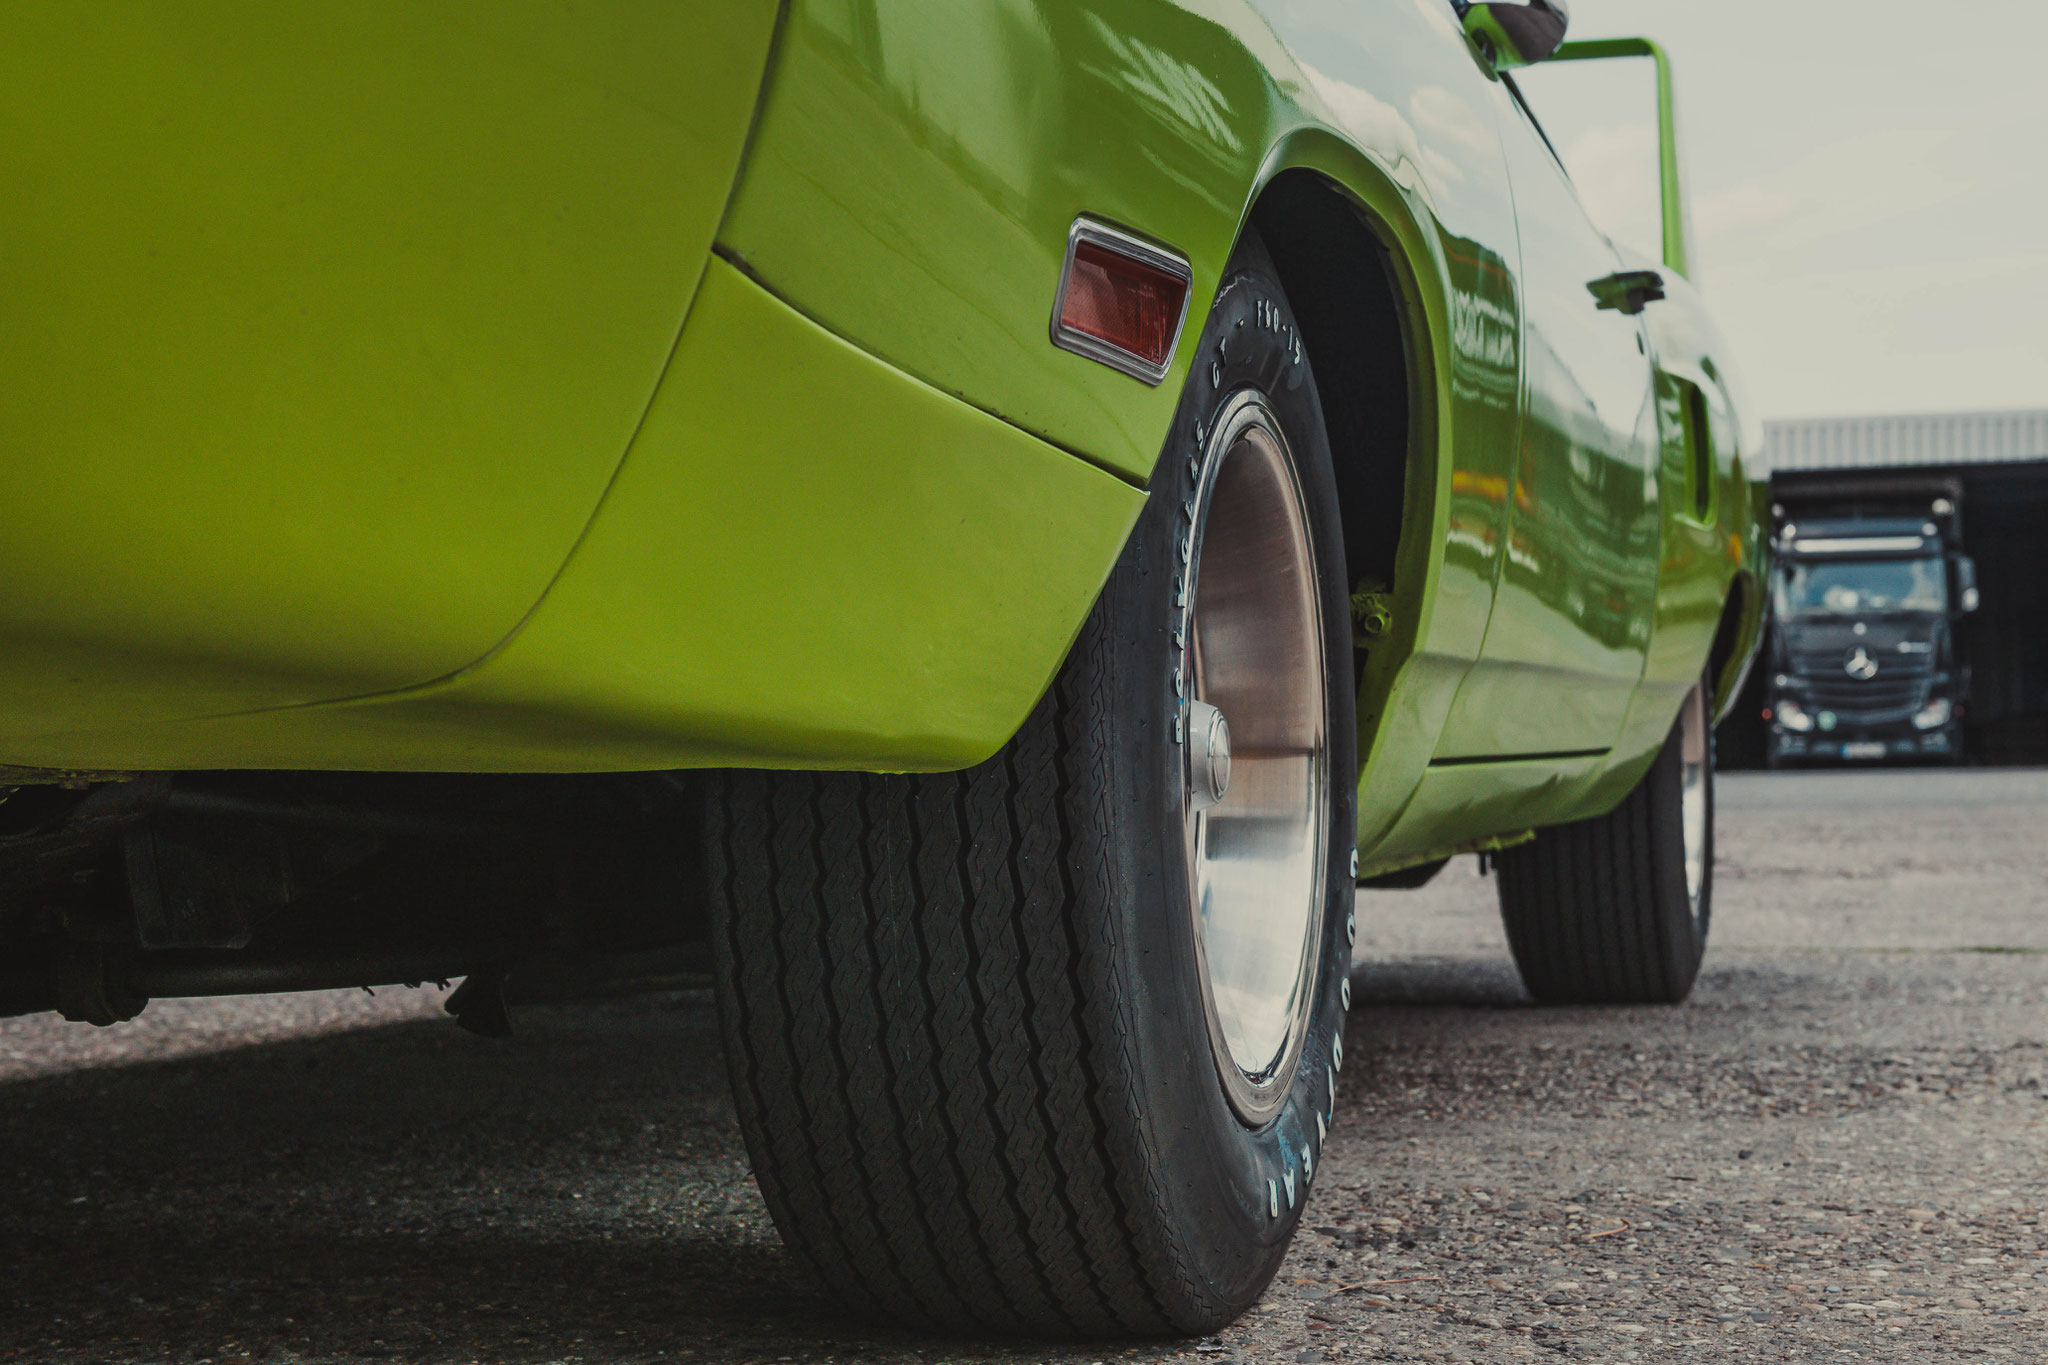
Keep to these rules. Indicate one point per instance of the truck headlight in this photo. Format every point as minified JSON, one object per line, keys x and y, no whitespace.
{"x":1792,"y":716}
{"x":1934,"y":715}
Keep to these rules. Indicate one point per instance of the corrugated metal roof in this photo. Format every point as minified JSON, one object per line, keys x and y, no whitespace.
{"x":1927,"y":439}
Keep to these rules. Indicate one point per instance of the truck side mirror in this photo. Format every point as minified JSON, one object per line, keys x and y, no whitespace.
{"x":1511,"y":33}
{"x":1966,"y":585}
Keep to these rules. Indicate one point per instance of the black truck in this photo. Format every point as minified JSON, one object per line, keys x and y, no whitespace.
{"x":1868,"y":588}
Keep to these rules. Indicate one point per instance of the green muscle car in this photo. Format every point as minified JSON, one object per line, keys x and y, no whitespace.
{"x":973,"y":523}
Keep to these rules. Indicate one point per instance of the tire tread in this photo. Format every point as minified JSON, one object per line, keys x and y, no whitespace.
{"x":1592,"y":913}
{"x":921,"y":1090}
{"x":950,"y":1026}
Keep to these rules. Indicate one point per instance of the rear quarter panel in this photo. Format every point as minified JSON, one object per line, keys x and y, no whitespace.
{"x":326,"y":325}
{"x":918,"y":164}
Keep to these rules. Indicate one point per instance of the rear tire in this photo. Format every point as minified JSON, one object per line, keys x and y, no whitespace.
{"x":1605,"y":911}
{"x":982,"y":1061}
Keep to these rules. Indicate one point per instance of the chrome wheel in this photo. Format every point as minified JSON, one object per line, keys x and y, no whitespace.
{"x":1253,"y":735}
{"x":1693,"y":808}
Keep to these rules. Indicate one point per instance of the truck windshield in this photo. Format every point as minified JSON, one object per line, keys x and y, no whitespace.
{"x":1851,"y":586}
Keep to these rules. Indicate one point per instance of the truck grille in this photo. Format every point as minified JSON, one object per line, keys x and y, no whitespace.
{"x":1892,"y":666}
{"x":1884,"y":693}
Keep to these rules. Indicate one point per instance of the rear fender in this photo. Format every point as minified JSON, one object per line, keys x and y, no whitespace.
{"x":327,"y":325}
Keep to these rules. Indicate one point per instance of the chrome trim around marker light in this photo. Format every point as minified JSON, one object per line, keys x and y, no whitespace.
{"x":1123,"y":244}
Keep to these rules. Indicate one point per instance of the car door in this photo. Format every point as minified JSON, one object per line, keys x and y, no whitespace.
{"x":1573,"y":608}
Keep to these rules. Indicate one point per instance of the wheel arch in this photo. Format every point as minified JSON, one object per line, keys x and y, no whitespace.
{"x":1361,"y":273}
{"x":1734,"y":649}
{"x":1330,"y":213}
{"x":1344,"y":290}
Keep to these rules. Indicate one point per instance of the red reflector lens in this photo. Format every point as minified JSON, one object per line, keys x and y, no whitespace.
{"x":1129,"y":304}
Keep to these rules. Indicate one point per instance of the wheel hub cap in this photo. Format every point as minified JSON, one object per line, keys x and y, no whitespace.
{"x":1208,"y":755}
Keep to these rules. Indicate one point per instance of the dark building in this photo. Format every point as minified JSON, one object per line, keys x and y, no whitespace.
{"x":1997,"y":464}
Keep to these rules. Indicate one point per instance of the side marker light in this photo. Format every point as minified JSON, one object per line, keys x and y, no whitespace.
{"x":1122,"y":301}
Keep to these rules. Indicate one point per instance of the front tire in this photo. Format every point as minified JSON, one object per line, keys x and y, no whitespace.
{"x":1049,"y":1045}
{"x":1614,"y":910}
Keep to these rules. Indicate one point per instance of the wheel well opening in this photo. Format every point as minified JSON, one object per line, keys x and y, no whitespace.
{"x":1727,"y":639}
{"x":1340,"y":284}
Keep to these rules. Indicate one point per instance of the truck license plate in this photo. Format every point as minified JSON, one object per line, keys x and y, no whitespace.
{"x":1865,"y":749}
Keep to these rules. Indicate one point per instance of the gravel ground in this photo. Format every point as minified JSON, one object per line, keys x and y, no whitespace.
{"x":1835,"y":1151}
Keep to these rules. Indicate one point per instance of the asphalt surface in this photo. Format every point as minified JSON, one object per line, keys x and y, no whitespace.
{"x":1834,"y":1151}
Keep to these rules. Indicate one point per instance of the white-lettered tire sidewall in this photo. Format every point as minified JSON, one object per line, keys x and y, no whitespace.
{"x":1221,"y":1181}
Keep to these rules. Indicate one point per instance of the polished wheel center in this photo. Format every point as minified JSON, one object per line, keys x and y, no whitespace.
{"x":1208,"y":755}
{"x":1693,"y":813}
{"x":1256,"y":809}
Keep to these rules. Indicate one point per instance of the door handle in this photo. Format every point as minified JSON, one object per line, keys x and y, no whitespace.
{"x":1627,"y":291}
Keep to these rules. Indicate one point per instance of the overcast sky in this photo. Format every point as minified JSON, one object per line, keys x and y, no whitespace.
{"x":1869,"y":188}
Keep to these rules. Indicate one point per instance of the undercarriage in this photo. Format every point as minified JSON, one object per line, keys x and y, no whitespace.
{"x":119,"y":888}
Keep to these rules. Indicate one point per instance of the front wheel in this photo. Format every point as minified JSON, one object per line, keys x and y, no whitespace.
{"x":1050,"y":1045}
{"x":1614,"y":910}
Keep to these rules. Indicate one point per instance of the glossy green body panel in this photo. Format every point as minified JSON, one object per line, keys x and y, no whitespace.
{"x":918,"y":164}
{"x":327,"y":324}
{"x":808,"y":560}
{"x":1572,"y":609}
{"x":870,"y":503}
{"x":1704,"y":558}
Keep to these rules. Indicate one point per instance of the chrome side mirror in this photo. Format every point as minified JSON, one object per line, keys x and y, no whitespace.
{"x":1512,"y":33}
